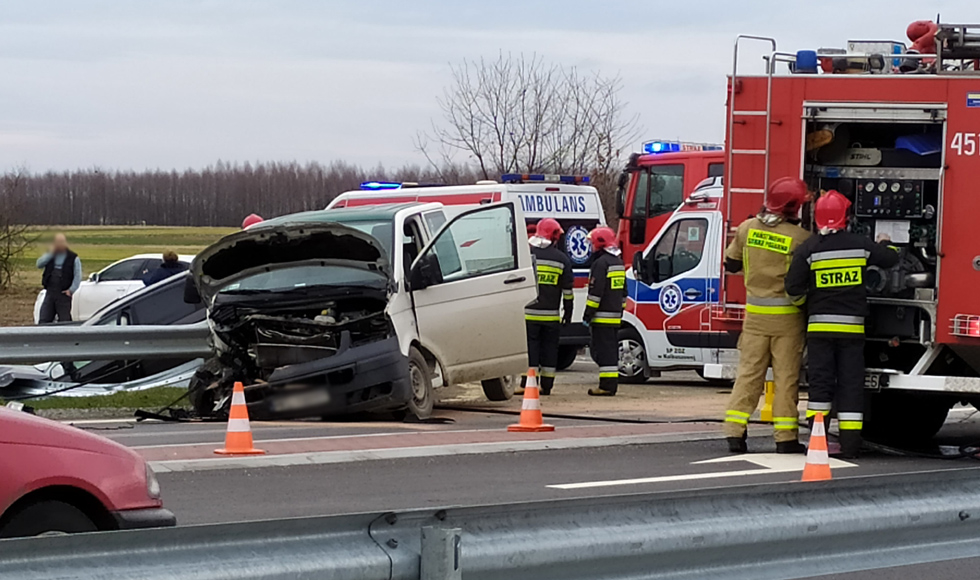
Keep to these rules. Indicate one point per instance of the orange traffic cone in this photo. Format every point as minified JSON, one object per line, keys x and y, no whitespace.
{"x":817,"y":466}
{"x":238,"y":439}
{"x":531,"y":419}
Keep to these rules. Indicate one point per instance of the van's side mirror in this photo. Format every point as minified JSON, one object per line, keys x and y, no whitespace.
{"x":639,"y":267}
{"x":621,"y":194}
{"x":425,"y":272}
{"x":93,"y":277}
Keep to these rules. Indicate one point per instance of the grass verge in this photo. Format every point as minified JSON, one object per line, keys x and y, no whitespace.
{"x":150,"y":399}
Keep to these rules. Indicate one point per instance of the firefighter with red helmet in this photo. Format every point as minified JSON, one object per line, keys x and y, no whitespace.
{"x":604,"y":307}
{"x":553,"y":307}
{"x":251,"y":219}
{"x":829,"y":269}
{"x":772,"y":333}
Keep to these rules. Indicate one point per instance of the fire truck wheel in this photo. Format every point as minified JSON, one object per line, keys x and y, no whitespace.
{"x":902,"y":419}
{"x":632,"y":357}
{"x":566,"y":356}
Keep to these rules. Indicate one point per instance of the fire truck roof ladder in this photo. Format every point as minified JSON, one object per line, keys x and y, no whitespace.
{"x":734,"y":111}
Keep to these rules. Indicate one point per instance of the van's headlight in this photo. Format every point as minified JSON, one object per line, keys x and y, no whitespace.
{"x":152,"y":484}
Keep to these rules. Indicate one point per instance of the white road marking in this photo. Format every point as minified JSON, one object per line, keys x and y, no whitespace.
{"x":325,"y":457}
{"x":767,"y":462}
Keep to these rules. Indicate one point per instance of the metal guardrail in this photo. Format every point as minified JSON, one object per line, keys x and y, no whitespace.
{"x":38,"y":344}
{"x":780,"y":531}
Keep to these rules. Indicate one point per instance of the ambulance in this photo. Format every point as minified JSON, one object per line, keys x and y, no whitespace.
{"x":568,"y":199}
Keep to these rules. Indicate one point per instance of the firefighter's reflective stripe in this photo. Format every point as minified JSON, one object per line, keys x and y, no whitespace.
{"x":798,"y":300}
{"x":814,"y":407}
{"x":769,"y":241}
{"x":548,"y":372}
{"x":837,"y":255}
{"x":785,"y":423}
{"x":732,"y":416}
{"x":838,"y":263}
{"x":535,"y":315}
{"x":608,"y":372}
{"x":617,"y":277}
{"x":835,"y":323}
{"x":592,"y":301}
{"x":602,"y":317}
{"x":850,"y":421}
{"x":779,"y":305}
{"x":567,"y":295}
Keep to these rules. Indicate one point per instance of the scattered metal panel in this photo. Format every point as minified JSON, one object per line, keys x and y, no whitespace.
{"x":38,"y":344}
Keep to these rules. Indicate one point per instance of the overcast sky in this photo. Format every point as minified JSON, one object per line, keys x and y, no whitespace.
{"x":175,"y":84}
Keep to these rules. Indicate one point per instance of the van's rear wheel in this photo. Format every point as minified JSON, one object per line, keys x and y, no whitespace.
{"x":566,"y":356}
{"x":632,"y":357}
{"x":500,"y":389}
{"x":423,"y":399}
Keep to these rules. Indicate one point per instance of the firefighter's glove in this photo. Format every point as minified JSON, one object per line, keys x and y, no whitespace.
{"x":566,"y":318}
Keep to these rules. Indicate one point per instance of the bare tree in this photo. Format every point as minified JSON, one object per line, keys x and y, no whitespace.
{"x":519,"y":114}
{"x":15,"y":236}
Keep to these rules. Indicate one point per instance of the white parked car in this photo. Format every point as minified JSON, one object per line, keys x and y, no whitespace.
{"x":109,"y":284}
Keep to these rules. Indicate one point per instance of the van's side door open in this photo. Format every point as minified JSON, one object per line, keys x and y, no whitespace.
{"x":469,"y":286}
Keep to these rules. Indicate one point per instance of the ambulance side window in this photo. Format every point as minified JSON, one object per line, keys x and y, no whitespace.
{"x":678,"y":251}
{"x":716,"y":170}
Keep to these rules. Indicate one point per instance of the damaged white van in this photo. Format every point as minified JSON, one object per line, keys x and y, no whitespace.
{"x":365,"y":309}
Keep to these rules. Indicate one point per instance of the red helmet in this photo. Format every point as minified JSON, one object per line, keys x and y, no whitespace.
{"x":602,"y":237}
{"x":250,"y":220}
{"x":786,"y":196}
{"x":831,"y":211}
{"x":549,"y":229}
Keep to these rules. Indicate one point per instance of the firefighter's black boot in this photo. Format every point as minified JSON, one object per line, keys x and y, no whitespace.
{"x":850,"y":444}
{"x":547,"y":383}
{"x":790,"y":447}
{"x":738,"y":444}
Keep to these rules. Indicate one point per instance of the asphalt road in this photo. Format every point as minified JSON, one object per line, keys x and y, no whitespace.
{"x":462,"y":480}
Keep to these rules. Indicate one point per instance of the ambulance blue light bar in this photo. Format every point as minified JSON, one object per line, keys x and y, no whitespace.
{"x":380,"y":185}
{"x":544,"y":177}
{"x":657,"y":147}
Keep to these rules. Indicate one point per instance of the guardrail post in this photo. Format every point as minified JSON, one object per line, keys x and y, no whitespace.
{"x":441,"y":554}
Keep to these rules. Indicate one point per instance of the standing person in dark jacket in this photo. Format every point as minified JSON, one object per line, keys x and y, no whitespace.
{"x":604,"y":308}
{"x":553,"y":307}
{"x":830,"y":268}
{"x":61,"y":277}
{"x":171,"y":265}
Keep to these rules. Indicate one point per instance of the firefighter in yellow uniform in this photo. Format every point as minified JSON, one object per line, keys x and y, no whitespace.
{"x":773,"y":330}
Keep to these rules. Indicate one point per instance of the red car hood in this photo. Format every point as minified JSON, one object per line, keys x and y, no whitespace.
{"x":24,"y":429}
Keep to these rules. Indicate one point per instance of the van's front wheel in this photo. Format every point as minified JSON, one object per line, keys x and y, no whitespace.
{"x":423,"y":399}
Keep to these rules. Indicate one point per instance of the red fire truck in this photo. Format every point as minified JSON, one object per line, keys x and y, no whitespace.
{"x":899,"y":134}
{"x":655,"y":183}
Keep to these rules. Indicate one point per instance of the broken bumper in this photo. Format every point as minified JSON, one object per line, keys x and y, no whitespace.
{"x":371,"y":377}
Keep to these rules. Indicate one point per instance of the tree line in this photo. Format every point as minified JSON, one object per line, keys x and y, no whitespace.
{"x":218,"y":195}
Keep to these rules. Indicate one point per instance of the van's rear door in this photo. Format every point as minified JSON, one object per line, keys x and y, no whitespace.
{"x":472,"y":314}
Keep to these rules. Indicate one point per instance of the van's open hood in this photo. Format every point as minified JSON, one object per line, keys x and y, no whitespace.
{"x":259,"y":249}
